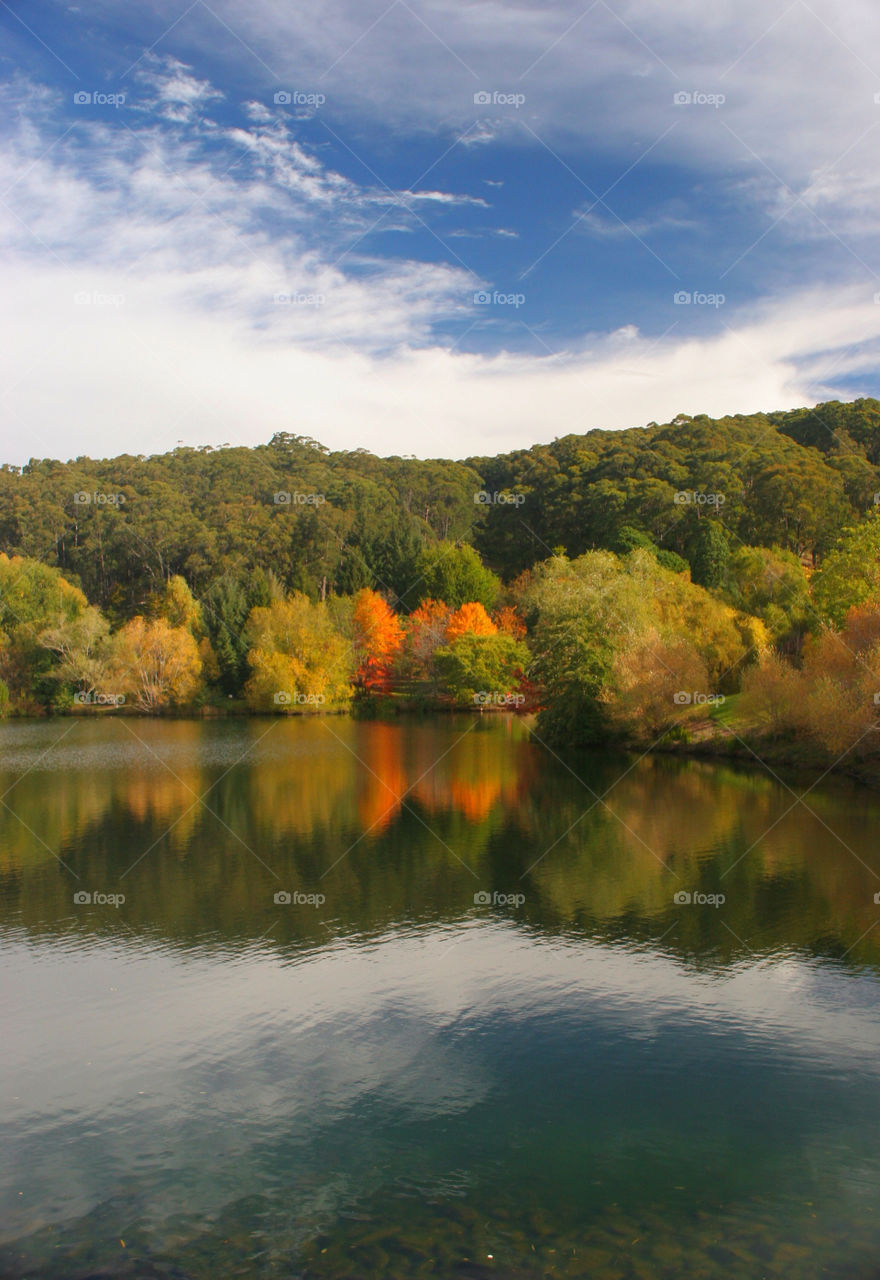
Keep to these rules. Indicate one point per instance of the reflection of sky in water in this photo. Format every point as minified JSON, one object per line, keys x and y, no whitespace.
{"x":595,"y":1045}
{"x":206,"y":1068}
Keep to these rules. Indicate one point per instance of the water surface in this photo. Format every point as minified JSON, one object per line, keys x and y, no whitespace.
{"x":482,"y":1037}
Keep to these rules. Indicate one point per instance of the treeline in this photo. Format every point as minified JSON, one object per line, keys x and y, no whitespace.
{"x":624,"y":584}
{"x":332,"y":523}
{"x":276,"y":649}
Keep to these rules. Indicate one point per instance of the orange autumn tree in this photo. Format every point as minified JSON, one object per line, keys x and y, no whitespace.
{"x":470,"y":619}
{"x":509,"y":620}
{"x":378,"y":636}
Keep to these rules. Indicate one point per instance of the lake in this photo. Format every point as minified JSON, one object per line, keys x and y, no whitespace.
{"x":320,"y":997}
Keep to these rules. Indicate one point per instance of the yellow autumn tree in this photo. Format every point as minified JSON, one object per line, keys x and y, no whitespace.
{"x":155,"y":664}
{"x":297,"y":657}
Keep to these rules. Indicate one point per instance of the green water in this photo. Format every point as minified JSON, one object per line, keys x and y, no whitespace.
{"x":390,"y":1076}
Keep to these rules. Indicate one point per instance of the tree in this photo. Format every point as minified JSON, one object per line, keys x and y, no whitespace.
{"x":510,"y":620}
{"x":709,"y":552}
{"x":33,"y":599}
{"x":470,"y":619}
{"x":424,"y":634}
{"x":850,"y":574}
{"x":378,"y":636}
{"x":487,"y":664}
{"x":156,"y":664}
{"x":226,"y":608}
{"x":80,"y":646}
{"x":771,"y":584}
{"x":296,"y":656}
{"x":648,"y":683}
{"x":179,"y":607}
{"x":454,"y":573}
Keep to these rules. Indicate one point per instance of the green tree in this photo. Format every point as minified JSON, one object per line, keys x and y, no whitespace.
{"x":481,"y":664}
{"x":850,"y":574}
{"x":453,"y":573}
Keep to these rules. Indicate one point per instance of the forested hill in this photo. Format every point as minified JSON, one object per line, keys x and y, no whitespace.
{"x":334,"y":522}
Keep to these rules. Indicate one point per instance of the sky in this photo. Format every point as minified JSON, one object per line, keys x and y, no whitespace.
{"x":442,"y":228}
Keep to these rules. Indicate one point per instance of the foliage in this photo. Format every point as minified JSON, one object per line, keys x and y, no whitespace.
{"x":155,"y":664}
{"x":456,"y":574}
{"x":600,"y":620}
{"x":832,"y":700}
{"x":377,"y":639}
{"x":470,"y":619}
{"x":482,"y":665}
{"x":296,"y":656}
{"x":850,"y":574}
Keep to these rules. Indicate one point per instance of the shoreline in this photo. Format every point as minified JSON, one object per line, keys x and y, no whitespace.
{"x":715,"y":742}
{"x":772,"y":754}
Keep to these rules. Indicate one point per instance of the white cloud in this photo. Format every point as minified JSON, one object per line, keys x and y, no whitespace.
{"x":157,"y":368}
{"x":180,"y":250}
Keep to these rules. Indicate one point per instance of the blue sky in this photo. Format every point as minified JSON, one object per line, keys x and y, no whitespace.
{"x":437,"y":228}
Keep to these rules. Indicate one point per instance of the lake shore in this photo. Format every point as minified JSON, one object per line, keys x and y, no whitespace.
{"x":717,"y":737}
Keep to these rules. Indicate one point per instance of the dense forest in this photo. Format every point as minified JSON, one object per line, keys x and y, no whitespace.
{"x":598,"y":578}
